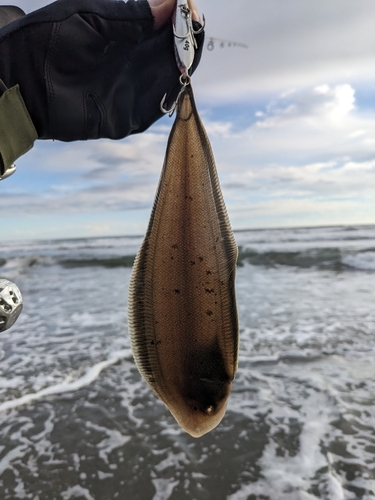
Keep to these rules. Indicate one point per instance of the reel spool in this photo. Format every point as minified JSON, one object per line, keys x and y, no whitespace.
{"x":11,"y":304}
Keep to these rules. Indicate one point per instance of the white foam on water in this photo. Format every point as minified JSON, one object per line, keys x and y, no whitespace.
{"x":304,"y":236}
{"x":48,"y":428}
{"x":76,"y":491}
{"x":20,"y":491}
{"x":12,"y":383}
{"x":104,"y":475}
{"x":16,"y":266}
{"x":334,"y":487}
{"x":298,"y":407}
{"x":90,"y":376}
{"x":114,"y":440}
{"x":361,"y":260}
{"x":164,"y":488}
{"x":361,"y":371}
{"x":262,"y":488}
{"x":174,"y":460}
{"x":133,"y":392}
{"x":17,"y":452}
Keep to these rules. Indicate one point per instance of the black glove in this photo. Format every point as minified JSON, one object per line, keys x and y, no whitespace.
{"x":88,"y":69}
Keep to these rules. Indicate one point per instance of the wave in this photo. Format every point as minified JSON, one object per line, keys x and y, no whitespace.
{"x":125,"y":261}
{"x":327,"y":258}
{"x":284,"y":357}
{"x":332,"y":258}
{"x":90,"y":376}
{"x":323,"y":258}
{"x":364,"y":260}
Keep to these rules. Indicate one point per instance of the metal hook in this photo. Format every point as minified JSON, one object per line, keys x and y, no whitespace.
{"x":191,"y":30}
{"x":184,"y":81}
{"x":184,"y":9}
{"x":201,"y":28}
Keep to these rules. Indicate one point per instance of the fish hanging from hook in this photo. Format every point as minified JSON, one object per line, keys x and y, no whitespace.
{"x":182,"y":312}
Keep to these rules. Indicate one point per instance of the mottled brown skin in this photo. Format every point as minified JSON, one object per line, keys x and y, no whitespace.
{"x":182,"y":309}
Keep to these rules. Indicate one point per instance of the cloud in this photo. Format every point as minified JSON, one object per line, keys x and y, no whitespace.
{"x":322,"y":101}
{"x":312,"y":143}
{"x":291,"y":44}
{"x":305,"y":151}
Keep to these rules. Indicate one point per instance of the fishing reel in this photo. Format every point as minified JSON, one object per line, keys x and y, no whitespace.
{"x":11,"y":304}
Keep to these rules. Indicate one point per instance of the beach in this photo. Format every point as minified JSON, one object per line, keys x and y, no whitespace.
{"x":77,"y":420}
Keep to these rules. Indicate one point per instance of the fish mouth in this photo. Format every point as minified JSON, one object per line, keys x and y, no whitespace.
{"x":198,"y":421}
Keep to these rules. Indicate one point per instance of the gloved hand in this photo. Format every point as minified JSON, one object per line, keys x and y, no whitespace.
{"x":91,"y":68}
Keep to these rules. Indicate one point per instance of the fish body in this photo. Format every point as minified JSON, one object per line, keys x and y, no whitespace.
{"x":182,"y":309}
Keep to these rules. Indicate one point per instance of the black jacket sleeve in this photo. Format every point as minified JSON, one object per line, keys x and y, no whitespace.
{"x":88,"y":69}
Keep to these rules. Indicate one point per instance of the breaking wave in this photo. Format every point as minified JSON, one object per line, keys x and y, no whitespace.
{"x":334,"y":259}
{"x":86,"y":379}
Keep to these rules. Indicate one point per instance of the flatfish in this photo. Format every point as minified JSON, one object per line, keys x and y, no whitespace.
{"x":182,"y":312}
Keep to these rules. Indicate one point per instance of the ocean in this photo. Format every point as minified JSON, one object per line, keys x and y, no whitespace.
{"x":77,"y":421}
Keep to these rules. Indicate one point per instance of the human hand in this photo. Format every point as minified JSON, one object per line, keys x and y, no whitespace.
{"x":162,"y":10}
{"x":93,"y":68}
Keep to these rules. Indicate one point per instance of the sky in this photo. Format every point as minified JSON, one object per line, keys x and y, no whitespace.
{"x":291,"y":120}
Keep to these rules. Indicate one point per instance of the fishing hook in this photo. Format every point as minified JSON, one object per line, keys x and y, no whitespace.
{"x":184,"y":81}
{"x":191,"y":30}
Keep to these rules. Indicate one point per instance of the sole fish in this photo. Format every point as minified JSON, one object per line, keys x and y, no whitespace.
{"x":182,"y":308}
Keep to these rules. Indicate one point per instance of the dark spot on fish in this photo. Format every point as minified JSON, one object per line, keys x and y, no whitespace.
{"x":208,"y":290}
{"x":175,"y":246}
{"x":209,"y":313}
{"x":152,"y":342}
{"x":158,"y":342}
{"x":208,"y":272}
{"x":191,"y":156}
{"x":187,"y":197}
{"x":192,"y":262}
{"x":176,"y":290}
{"x":172,"y":257}
{"x":207,"y":381}
{"x":200,"y":259}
